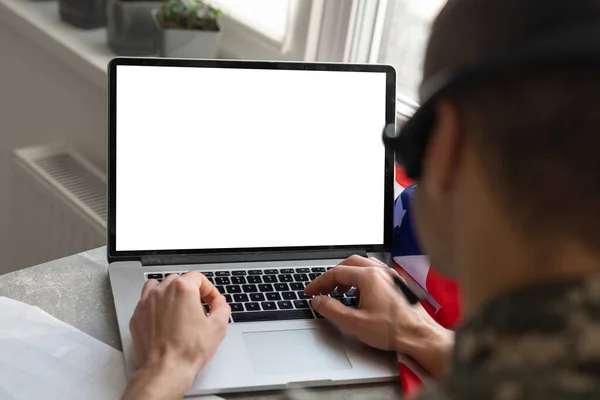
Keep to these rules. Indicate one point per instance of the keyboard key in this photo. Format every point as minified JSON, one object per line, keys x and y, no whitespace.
{"x":263,"y":316}
{"x":221,"y":289}
{"x":208,"y":274}
{"x":318,"y":315}
{"x":313,"y":276}
{"x":351,"y":292}
{"x":238,"y":273}
{"x":285,"y":304}
{"x":282,"y":287}
{"x":273,"y":296}
{"x":347,"y":301}
{"x":237,"y":307}
{"x":297,"y":286}
{"x":255,"y":272}
{"x":287,"y":271}
{"x":172,"y":273}
{"x":254,"y":279}
{"x":265,"y":287}
{"x":286,"y":278}
{"x":238,"y":280}
{"x":289,"y":295}
{"x":300,"y":277}
{"x":336,"y":295}
{"x":301,"y":303}
{"x":234,"y":289}
{"x":155,"y":276}
{"x":269,"y":305}
{"x":249,"y":288}
{"x":223,"y":281}
{"x":252,"y":306}
{"x":271,"y":272}
{"x":241,"y":298}
{"x":257,"y":297}
{"x":270,"y":279}
{"x":302,"y":295}
{"x":211,"y":280}
{"x":206,"y":308}
{"x":302,"y":270}
{"x":222,"y":273}
{"x":228,"y":298}
{"x":318,"y":269}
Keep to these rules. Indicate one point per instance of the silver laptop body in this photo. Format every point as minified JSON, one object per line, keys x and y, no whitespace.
{"x":261,"y":175}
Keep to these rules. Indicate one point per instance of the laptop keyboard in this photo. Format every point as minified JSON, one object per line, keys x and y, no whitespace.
{"x":260,"y":295}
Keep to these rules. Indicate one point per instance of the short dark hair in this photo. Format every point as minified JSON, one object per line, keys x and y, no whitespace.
{"x":538,"y":129}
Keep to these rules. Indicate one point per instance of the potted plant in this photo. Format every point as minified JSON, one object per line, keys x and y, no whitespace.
{"x":85,"y":14}
{"x":130,"y":28}
{"x":188,"y":28}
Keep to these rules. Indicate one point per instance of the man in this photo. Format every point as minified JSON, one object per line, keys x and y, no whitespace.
{"x":508,"y":202}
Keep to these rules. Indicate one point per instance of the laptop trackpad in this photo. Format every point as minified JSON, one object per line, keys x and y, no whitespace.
{"x":296,"y":351}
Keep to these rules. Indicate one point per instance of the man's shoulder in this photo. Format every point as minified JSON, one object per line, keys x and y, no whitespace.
{"x":550,"y":385}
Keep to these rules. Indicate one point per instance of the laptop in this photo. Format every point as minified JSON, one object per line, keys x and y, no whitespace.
{"x":262,"y":176}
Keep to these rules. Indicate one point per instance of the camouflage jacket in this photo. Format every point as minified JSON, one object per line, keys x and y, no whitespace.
{"x":539,"y":343}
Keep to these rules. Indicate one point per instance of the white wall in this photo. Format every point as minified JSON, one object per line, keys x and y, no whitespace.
{"x":43,"y":100}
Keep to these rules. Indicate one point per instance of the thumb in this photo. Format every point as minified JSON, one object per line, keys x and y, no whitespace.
{"x":336,"y":312}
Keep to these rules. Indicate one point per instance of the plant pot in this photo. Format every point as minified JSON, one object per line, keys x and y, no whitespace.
{"x":131,"y":30}
{"x":85,"y":14}
{"x":187,"y":43}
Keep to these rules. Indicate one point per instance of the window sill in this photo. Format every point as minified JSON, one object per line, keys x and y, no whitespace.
{"x":405,"y":107}
{"x":88,"y":54}
{"x":85,"y":51}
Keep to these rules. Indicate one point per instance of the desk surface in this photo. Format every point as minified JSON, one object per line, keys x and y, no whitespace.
{"x":77,"y":291}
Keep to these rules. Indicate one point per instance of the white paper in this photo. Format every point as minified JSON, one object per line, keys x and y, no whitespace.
{"x":42,"y":357}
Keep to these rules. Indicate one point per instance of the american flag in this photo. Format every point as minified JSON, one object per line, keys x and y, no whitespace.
{"x":440,"y":294}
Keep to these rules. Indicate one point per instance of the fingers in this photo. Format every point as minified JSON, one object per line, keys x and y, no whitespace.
{"x":378,"y":262}
{"x":219,"y":309}
{"x":341,"y":275}
{"x":198,"y":280}
{"x":359,"y":261}
{"x":336,"y":312}
{"x":343,"y":289}
{"x":148,"y":286}
{"x":169,"y":279}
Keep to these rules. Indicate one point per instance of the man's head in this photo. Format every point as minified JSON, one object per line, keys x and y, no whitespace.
{"x":513,"y":161}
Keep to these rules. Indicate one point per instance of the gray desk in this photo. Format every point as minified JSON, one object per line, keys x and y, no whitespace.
{"x":77,"y":291}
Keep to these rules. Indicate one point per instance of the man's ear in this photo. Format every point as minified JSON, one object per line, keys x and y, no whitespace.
{"x":443,"y":151}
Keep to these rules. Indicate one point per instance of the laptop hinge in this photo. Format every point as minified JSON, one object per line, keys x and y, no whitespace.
{"x":178,"y":259}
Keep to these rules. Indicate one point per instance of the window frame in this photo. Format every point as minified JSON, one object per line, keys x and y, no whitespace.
{"x":364,"y":44}
{"x":317,"y":31}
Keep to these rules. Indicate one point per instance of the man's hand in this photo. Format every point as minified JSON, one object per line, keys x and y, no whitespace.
{"x":383,"y":318}
{"x":173,"y":336}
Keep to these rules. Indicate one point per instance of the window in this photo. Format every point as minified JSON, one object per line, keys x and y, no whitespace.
{"x":293,"y":30}
{"x":404,"y":39}
{"x":395,"y":32}
{"x":385,"y":31}
{"x":269,"y":17}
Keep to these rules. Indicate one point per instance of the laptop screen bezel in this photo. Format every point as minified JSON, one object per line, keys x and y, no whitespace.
{"x":253,"y":254}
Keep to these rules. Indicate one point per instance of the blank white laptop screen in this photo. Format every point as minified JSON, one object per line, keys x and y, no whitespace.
{"x":216,"y":158}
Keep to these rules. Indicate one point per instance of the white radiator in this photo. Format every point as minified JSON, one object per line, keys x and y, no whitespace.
{"x":58,"y":206}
